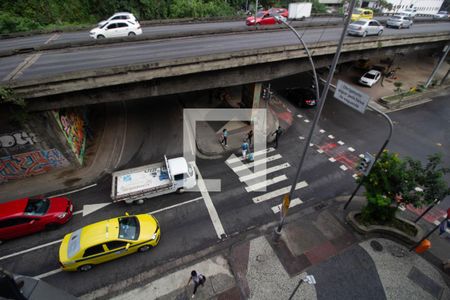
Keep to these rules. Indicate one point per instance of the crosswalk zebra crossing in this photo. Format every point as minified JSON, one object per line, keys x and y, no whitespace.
{"x":242,"y":169}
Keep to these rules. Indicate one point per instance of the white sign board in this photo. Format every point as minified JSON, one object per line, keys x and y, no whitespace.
{"x":351,"y":96}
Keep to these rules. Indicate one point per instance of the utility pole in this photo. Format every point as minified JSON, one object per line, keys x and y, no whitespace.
{"x":287,"y":198}
{"x":445,"y":50}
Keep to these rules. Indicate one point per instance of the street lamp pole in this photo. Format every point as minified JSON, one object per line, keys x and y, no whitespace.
{"x":316,"y":117}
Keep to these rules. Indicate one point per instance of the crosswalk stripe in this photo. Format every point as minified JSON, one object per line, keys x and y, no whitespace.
{"x":264,"y":172}
{"x":266,"y":183}
{"x":255,"y":154}
{"x":256,"y":163}
{"x":278,"y":192}
{"x":294,"y":202}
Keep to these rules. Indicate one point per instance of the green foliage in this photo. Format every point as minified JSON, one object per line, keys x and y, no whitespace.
{"x":7,"y":96}
{"x":318,"y":8}
{"x":398,"y":85}
{"x":393,"y":181}
{"x":199,"y":8}
{"x":10,"y":23}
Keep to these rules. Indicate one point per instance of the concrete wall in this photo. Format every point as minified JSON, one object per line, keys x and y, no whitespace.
{"x":31,"y":147}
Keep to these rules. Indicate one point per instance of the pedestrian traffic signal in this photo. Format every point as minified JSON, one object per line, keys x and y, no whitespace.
{"x":365,"y":164}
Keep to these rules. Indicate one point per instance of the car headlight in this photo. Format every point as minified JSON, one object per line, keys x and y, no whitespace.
{"x":154,"y":236}
{"x":62,"y":215}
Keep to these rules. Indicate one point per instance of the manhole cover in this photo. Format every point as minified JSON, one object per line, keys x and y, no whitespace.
{"x":397,"y":251}
{"x":261,"y":258}
{"x":376,"y":246}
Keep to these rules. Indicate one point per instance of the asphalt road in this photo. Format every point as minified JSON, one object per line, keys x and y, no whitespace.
{"x":154,"y":129}
{"x":49,"y":64}
{"x":77,"y":36}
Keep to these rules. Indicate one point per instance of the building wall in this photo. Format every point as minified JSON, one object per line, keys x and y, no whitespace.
{"x":424,"y":7}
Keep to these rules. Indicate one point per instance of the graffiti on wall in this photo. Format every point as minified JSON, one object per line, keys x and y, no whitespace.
{"x":72,"y":123}
{"x":17,"y":139}
{"x":30,"y":163}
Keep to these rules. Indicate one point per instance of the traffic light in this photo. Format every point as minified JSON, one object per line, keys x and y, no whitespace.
{"x":365,"y":164}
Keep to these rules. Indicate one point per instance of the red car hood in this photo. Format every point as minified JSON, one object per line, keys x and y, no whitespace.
{"x":15,"y":207}
{"x":252,"y":18}
{"x":58,"y":204}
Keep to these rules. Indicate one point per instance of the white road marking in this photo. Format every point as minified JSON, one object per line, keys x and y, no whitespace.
{"x":80,"y":211}
{"x":301,"y":137}
{"x":331,"y":136}
{"x":52,"y":38}
{"x":436,"y":222}
{"x":355,"y":176}
{"x":322,"y":131}
{"x":306,"y":121}
{"x":48,"y":274}
{"x":278,"y":192}
{"x":402,"y":207}
{"x":311,"y":144}
{"x":18,"y":71}
{"x":256,"y":163}
{"x":74,"y":191}
{"x":299,"y":116}
{"x":351,"y":149}
{"x":173,"y":206}
{"x":209,"y":205}
{"x":266,"y":183}
{"x":90,"y":208}
{"x":320,"y":150}
{"x":255,"y":154}
{"x":29,"y":250}
{"x":332,"y":159}
{"x":343,"y":167}
{"x":289,"y":110}
{"x":361,"y":155}
{"x":264,"y":172}
{"x":294,"y":202}
{"x":341,"y":143}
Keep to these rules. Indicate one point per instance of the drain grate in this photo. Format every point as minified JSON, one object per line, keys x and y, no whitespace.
{"x":397,"y":251}
{"x":376,"y":246}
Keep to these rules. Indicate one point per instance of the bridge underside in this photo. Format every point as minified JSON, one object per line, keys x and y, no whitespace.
{"x":211,"y":79}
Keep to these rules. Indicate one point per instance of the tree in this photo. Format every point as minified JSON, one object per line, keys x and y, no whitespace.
{"x":393,"y":181}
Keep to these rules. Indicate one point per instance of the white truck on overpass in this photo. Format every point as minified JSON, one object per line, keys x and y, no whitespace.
{"x":299,"y":11}
{"x":137,"y":184}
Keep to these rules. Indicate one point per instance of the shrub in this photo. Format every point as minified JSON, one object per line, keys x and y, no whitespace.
{"x":10,"y":23}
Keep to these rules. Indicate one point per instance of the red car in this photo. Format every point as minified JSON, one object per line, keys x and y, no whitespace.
{"x":262,"y":18}
{"x":25,"y":216}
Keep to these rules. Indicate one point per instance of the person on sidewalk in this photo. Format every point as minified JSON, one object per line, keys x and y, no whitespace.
{"x":244,"y":148}
{"x":224,"y":140}
{"x":277,"y":134}
{"x":249,"y":137}
{"x":197,"y":279}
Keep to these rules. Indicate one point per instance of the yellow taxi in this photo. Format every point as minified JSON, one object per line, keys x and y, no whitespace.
{"x":107,"y":240}
{"x":361,"y":13}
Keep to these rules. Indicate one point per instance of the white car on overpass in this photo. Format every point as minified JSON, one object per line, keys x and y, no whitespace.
{"x":114,"y":29}
{"x":126,"y":16}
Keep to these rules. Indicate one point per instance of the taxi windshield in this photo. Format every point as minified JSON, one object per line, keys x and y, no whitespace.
{"x":128,"y":228}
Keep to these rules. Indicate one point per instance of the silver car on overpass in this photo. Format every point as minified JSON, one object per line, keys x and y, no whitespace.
{"x":365,"y":27}
{"x":399,"y":21}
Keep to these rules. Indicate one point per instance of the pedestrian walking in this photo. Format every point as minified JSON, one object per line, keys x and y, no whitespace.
{"x":244,"y":148}
{"x":198,"y":279}
{"x":224,"y":140}
{"x":277,"y":134}
{"x":250,"y":136}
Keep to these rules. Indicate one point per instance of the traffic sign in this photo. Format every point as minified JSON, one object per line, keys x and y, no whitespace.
{"x":351,"y":96}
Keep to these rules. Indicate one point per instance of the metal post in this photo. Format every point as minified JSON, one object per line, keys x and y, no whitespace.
{"x":445,"y":50}
{"x":391,"y":128}
{"x":317,"y":115}
{"x":426,"y":211}
{"x":429,"y":233}
{"x":296,"y":288}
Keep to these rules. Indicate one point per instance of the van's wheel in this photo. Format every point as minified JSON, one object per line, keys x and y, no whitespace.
{"x":132,"y":34}
{"x":85,"y":268}
{"x":100,"y":37}
{"x":380,"y":32}
{"x":364,"y":34}
{"x":180,"y":191}
{"x":144,"y":248}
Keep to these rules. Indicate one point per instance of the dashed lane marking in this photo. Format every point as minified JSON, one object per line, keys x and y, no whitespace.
{"x":294,"y":202}
{"x":322,"y":131}
{"x":331,"y":136}
{"x":351,"y":149}
{"x":332,"y":159}
{"x":266,"y":183}
{"x":341,"y":143}
{"x":264,"y":172}
{"x":48,"y":274}
{"x":278,"y":192}
{"x":299,"y":116}
{"x":343,"y":167}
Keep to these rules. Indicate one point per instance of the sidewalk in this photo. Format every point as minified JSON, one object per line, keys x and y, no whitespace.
{"x":313,"y":242}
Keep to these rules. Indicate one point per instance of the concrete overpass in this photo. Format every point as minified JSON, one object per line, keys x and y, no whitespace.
{"x":206,"y":72}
